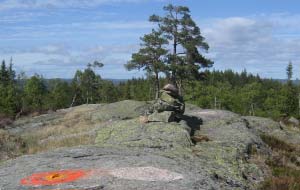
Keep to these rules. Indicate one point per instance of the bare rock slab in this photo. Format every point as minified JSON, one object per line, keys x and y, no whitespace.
{"x":127,"y":170}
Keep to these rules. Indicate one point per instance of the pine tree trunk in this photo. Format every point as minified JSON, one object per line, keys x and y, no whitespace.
{"x":299,"y":104}
{"x":87,"y":97}
{"x":252,"y":109}
{"x":179,"y":86}
{"x":156,"y":86}
{"x":19,"y":114}
{"x":173,"y":74}
{"x":73,"y":100}
{"x":215,"y":102}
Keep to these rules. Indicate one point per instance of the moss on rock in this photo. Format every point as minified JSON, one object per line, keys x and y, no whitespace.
{"x":126,"y":109}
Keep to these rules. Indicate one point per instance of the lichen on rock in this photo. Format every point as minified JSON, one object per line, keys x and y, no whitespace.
{"x":131,"y":133}
{"x":115,"y":138}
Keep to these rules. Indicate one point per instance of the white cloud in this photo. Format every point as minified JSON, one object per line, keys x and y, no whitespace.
{"x":35,"y":4}
{"x":55,"y":60}
{"x":119,"y":49}
{"x":261,"y":44}
{"x":236,"y":30}
{"x":65,"y":31}
{"x":59,"y":49}
{"x":21,"y":16}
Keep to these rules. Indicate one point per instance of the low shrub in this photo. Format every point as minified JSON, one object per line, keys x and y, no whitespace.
{"x":11,"y":146}
{"x":283,"y":163}
{"x":277,"y":144}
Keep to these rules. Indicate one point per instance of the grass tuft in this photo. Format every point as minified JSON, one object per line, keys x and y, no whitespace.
{"x":277,"y":144}
{"x":58,"y":136}
{"x":11,"y":146}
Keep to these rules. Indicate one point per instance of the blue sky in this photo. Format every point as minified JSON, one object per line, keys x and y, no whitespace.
{"x":56,"y":37}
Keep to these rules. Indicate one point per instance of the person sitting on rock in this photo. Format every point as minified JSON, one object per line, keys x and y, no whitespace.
{"x":170,"y":100}
{"x":169,"y":107}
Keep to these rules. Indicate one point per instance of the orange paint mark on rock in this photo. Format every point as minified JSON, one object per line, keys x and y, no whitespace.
{"x":54,"y":177}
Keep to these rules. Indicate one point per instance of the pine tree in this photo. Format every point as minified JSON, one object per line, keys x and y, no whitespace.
{"x":59,"y":95}
{"x":289,"y":71}
{"x":4,"y":75}
{"x":9,"y":101}
{"x":34,"y":91}
{"x":290,"y":92}
{"x":150,"y":57}
{"x":185,"y":59}
{"x":11,"y":73}
{"x":85,"y":85}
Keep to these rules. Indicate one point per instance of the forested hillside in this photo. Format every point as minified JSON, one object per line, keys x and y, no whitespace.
{"x":242,"y":93}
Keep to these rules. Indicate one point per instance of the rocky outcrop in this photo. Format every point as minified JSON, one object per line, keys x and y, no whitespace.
{"x":153,"y":135}
{"x":261,"y":125}
{"x":293,"y":121}
{"x":208,"y":149}
{"x":169,"y":107}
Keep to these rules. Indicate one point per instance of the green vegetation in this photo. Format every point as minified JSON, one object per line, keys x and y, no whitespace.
{"x":34,"y":94}
{"x":170,"y":53}
{"x":243,"y":93}
{"x":21,"y":95}
{"x":150,"y":57}
{"x":238,"y":92}
{"x":184,"y":59}
{"x":173,"y":49}
{"x":8,"y":90}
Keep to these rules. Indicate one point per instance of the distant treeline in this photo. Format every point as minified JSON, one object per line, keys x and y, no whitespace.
{"x":239,"y":92}
{"x":245,"y":94}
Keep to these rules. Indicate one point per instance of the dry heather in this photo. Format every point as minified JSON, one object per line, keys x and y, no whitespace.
{"x":284,"y":164}
{"x":70,"y":127}
{"x":10,"y":146}
{"x":4,"y":121}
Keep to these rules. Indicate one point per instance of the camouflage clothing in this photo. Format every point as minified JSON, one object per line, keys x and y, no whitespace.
{"x":166,"y":102}
{"x":169,"y":107}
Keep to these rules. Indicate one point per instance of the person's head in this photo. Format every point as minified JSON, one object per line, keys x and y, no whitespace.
{"x":171,"y":89}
